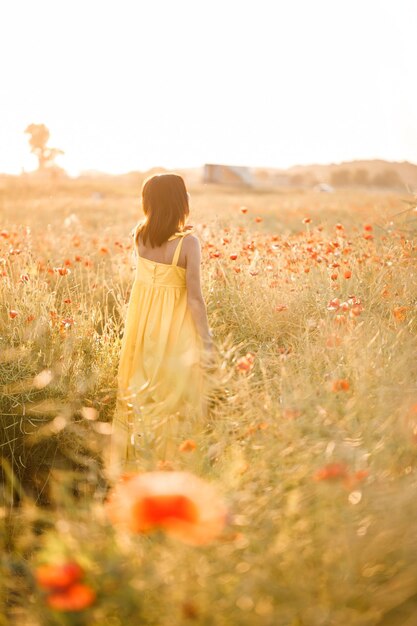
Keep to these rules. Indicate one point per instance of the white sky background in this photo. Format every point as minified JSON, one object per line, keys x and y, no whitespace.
{"x":127,"y":85}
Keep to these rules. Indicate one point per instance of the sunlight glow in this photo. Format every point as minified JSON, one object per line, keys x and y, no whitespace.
{"x":128,"y":85}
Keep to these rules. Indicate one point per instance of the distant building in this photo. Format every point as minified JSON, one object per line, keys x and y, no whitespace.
{"x":227,"y":175}
{"x":323,"y":187}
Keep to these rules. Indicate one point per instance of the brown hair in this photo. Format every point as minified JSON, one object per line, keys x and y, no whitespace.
{"x":166,"y":208}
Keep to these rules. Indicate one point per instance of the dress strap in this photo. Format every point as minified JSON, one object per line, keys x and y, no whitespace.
{"x":181,"y":234}
{"x":177,"y":252}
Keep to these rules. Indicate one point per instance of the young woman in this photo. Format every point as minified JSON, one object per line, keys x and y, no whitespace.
{"x":167,"y":349}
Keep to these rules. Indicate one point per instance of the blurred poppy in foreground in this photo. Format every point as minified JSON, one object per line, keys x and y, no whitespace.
{"x":58,"y":576}
{"x":62,"y":583}
{"x":75,"y":598}
{"x":179,"y":503}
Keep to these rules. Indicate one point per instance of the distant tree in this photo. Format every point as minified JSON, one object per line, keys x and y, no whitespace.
{"x":361,"y":177}
{"x":387,"y":178}
{"x":340,"y":177}
{"x":39,"y":136}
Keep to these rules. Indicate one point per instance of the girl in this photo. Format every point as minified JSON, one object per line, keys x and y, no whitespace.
{"x":167,"y":348}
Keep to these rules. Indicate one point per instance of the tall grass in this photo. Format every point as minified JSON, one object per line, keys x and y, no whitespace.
{"x":313,"y":446}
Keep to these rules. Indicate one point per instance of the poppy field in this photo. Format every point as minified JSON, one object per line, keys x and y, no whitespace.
{"x":296,"y":504}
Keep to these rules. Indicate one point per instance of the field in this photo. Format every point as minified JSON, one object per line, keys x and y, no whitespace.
{"x":312,"y":439}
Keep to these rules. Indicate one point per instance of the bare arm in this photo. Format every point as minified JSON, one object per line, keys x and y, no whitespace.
{"x":195,"y":300}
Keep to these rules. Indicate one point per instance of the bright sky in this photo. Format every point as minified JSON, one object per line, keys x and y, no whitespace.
{"x":127,"y":85}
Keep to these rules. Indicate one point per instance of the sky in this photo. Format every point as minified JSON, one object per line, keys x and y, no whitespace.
{"x":126,"y":85}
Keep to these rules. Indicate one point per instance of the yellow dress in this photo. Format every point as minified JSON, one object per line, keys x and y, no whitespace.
{"x":161,"y":396}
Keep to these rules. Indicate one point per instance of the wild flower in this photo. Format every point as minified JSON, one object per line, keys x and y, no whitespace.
{"x":77,"y":597}
{"x":245,"y":363}
{"x":62,"y":271}
{"x":178,"y":503}
{"x":53,"y":576}
{"x":400,"y":313}
{"x":62,"y":583}
{"x":331,"y":471}
{"x":340,"y":384}
{"x":188,"y":445}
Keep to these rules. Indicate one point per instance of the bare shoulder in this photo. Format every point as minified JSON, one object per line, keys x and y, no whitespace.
{"x":191,"y":243}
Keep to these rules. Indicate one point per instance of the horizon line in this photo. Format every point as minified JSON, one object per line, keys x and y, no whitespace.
{"x":201,"y":166}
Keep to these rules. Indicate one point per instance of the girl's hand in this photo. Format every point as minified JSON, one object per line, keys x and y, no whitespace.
{"x":209,"y":357}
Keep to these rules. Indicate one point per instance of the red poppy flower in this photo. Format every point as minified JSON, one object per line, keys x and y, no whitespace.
{"x":58,"y":576}
{"x":75,"y":598}
{"x":188,"y":445}
{"x":62,"y":271}
{"x":400,"y":313}
{"x":333,"y":305}
{"x":245,"y":363}
{"x":333,"y":341}
{"x":331,"y":471}
{"x":179,"y":503}
{"x":341,"y":384}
